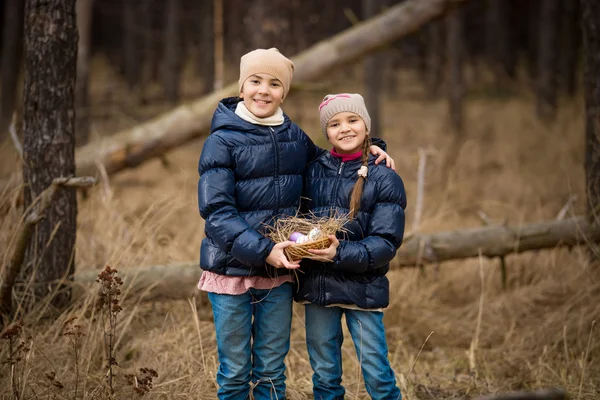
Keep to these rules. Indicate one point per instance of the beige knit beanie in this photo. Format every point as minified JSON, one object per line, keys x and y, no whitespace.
{"x":344,"y":102}
{"x":267,"y":61}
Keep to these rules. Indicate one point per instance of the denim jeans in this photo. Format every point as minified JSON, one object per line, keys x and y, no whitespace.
{"x":253,"y":338}
{"x":324,"y":339}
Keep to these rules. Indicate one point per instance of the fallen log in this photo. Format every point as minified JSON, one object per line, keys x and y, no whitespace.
{"x":495,"y":241}
{"x":178,"y":281}
{"x":546,"y":394}
{"x":132,"y":147}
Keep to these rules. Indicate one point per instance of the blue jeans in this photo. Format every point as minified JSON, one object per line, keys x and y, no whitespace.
{"x":253,"y":338}
{"x":324,"y":339}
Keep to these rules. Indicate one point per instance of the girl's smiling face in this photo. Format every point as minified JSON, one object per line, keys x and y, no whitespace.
{"x":347,"y":132}
{"x":262,"y":94}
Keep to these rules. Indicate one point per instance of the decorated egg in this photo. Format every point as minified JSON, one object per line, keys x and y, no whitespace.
{"x":314,"y":234}
{"x":303,"y":239}
{"x":294,"y":236}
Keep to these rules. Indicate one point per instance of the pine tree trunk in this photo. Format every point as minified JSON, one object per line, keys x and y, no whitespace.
{"x":173,"y":51}
{"x":547,"y":60}
{"x":591,"y":35}
{"x":455,"y":55}
{"x":148,"y":59}
{"x":82,"y":95}
{"x":49,"y":139}
{"x":213,"y":46}
{"x":532,"y":49}
{"x":434,"y":58}
{"x":274,"y":29}
{"x":12,"y":49}
{"x":570,"y":44}
{"x":373,"y":71}
{"x":235,"y":41}
{"x":131,"y":42}
{"x":498,"y":41}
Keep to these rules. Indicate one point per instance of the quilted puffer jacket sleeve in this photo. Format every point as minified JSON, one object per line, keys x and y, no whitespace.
{"x":216,"y":199}
{"x":314,"y":151}
{"x":385,"y":231}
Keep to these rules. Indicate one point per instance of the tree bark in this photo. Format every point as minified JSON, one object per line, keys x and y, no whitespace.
{"x":213,"y":57}
{"x":546,"y":394}
{"x":274,"y":29}
{"x":148,"y":51}
{"x":374,"y":69}
{"x":570,"y":44}
{"x":131,"y":42}
{"x":178,"y":281}
{"x":82,"y":94}
{"x":498,"y":41}
{"x":434,"y":63}
{"x":455,"y":55}
{"x":49,"y":139}
{"x":173,"y":51}
{"x":130,"y":148}
{"x":591,"y":35}
{"x":547,"y":59}
{"x":235,"y":41}
{"x":12,"y":49}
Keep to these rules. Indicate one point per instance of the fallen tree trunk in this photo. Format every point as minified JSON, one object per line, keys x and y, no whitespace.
{"x":545,"y":394}
{"x":495,"y":241}
{"x":178,"y":281}
{"x":154,"y":138}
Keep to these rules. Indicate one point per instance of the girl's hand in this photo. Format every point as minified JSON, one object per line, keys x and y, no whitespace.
{"x":278,"y":259}
{"x":328,"y":253}
{"x":382,"y":155}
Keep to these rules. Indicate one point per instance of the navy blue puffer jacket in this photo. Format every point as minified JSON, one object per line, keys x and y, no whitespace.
{"x":249,"y":175}
{"x":357,"y":275}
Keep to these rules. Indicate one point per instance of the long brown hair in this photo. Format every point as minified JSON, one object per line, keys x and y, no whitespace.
{"x":358,"y":186}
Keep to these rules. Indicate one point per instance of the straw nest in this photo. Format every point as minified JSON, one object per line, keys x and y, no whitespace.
{"x":283,"y":228}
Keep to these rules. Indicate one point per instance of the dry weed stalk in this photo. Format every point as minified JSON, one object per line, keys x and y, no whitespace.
{"x":54,"y":385}
{"x":142,"y":383}
{"x":475,"y":340}
{"x":73,"y":332}
{"x":17,"y":350}
{"x":109,"y":306}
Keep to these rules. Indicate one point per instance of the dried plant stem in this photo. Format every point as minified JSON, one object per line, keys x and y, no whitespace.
{"x":360,"y":358}
{"x":475,"y":341}
{"x":109,"y":305}
{"x":418,"y":354}
{"x":420,"y":189}
{"x":12,"y":129}
{"x":565,"y":209}
{"x":584,"y":361}
{"x":197,"y":321}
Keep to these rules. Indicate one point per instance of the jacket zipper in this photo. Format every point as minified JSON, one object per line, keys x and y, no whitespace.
{"x":276,"y":175}
{"x":333,"y":203}
{"x":331,"y":208}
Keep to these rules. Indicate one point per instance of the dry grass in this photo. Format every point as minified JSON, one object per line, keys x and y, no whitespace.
{"x":536,"y":333}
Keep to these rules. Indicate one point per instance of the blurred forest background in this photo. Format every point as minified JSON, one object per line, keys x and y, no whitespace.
{"x":489,"y":107}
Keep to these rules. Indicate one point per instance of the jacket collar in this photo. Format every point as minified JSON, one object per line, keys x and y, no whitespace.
{"x":226,"y":118}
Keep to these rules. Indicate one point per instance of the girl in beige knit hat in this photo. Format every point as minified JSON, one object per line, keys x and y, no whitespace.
{"x":251,"y":173}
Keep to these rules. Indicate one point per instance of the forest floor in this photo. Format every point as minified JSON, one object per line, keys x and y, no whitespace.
{"x":452,"y":329}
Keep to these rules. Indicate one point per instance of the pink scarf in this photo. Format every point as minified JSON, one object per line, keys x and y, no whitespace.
{"x":347,"y":157}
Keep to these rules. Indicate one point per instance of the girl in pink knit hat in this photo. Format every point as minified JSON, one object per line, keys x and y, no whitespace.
{"x":353,"y":284}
